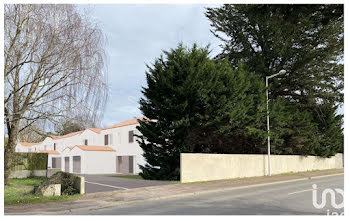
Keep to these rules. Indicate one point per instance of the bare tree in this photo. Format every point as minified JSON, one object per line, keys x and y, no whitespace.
{"x":54,"y":66}
{"x":34,"y":133}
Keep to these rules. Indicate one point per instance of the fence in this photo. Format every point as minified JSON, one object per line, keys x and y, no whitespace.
{"x":205,"y":167}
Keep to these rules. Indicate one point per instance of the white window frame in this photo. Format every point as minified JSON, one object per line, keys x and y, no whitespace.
{"x":119,"y":137}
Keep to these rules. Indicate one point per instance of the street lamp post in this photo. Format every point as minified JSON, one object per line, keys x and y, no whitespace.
{"x":268,"y":118}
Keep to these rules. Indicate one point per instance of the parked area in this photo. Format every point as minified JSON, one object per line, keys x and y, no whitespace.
{"x":104,"y":183}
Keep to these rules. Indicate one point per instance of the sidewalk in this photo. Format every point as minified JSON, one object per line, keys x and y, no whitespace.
{"x":121,"y":197}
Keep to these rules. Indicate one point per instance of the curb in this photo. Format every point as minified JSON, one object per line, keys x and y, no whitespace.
{"x":123,"y":203}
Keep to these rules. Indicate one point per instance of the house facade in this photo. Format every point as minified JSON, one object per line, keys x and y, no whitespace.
{"x":93,"y":151}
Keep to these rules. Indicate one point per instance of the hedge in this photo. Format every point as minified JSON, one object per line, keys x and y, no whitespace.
{"x":29,"y":161}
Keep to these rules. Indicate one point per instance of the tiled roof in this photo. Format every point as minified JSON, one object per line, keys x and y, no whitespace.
{"x":26,"y":144}
{"x":96,"y":130}
{"x":127,"y":123}
{"x":67,"y":135}
{"x":94,"y":148}
{"x":49,"y":151}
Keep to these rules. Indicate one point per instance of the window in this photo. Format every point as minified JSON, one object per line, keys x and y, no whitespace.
{"x":85,"y":142}
{"x":29,"y":149}
{"x":108,"y":139}
{"x":54,"y":146}
{"x":131,"y":136}
{"x":44,"y":147}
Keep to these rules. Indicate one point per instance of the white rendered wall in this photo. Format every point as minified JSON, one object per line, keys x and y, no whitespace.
{"x":204,"y":167}
{"x":123,"y":147}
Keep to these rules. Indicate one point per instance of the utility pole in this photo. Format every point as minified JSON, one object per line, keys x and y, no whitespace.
{"x":268,"y":118}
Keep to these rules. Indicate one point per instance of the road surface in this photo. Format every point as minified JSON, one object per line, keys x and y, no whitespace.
{"x":105,"y":183}
{"x":292,"y":198}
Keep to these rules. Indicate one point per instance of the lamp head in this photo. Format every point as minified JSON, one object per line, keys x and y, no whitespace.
{"x":282,"y":72}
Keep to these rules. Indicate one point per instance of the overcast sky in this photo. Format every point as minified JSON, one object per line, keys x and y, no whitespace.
{"x":137,"y":34}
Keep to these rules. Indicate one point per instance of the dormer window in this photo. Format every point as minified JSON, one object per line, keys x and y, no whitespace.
{"x":54,"y":146}
{"x":85,"y":142}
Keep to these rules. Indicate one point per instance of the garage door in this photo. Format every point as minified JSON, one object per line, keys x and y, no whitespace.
{"x":56,"y":162}
{"x":76,"y":164}
{"x":66,"y":164}
{"x":125,"y":164}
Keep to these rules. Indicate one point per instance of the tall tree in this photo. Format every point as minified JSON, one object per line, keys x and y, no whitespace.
{"x":197,"y":105}
{"x":54,"y":62}
{"x":308,"y":42}
{"x":70,"y":125}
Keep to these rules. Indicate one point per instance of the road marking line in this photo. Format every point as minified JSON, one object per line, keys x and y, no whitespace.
{"x":101,"y":184}
{"x":301,"y":191}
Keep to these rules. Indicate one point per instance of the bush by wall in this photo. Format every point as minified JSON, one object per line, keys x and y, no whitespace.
{"x":65,"y":179}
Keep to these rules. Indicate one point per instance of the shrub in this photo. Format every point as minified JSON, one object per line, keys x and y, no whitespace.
{"x":65,"y":179}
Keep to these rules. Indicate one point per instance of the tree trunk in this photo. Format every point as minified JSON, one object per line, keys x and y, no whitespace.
{"x":9,"y":150}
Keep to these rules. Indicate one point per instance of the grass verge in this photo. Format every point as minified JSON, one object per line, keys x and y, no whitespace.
{"x":19,"y":191}
{"x":138,"y":177}
{"x":127,"y":176}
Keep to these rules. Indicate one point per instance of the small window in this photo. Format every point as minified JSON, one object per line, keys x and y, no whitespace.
{"x":106,"y":139}
{"x":85,"y":142}
{"x":131,"y":136}
{"x":54,"y":146}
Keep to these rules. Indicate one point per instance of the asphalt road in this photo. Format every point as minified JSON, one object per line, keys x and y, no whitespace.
{"x":105,"y":183}
{"x":293,"y":198}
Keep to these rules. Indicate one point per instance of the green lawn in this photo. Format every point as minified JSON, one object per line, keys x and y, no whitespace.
{"x":19,"y":191}
{"x":138,"y":177}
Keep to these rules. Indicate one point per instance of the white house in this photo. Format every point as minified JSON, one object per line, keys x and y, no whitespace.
{"x":93,"y":151}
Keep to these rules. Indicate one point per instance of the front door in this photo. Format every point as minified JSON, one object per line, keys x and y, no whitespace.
{"x":66,"y":164}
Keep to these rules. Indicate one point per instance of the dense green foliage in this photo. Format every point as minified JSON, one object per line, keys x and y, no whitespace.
{"x":197,"y":105}
{"x":66,"y":180}
{"x":30,"y":161}
{"x":306,"y":41}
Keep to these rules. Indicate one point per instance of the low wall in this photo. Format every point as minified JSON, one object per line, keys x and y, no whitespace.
{"x":79,"y":183}
{"x":27,"y":173}
{"x":204,"y":167}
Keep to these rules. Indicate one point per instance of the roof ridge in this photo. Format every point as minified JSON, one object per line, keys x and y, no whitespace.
{"x":126,"y":123}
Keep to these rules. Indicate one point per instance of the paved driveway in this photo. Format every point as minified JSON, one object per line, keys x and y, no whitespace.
{"x":104,"y":183}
